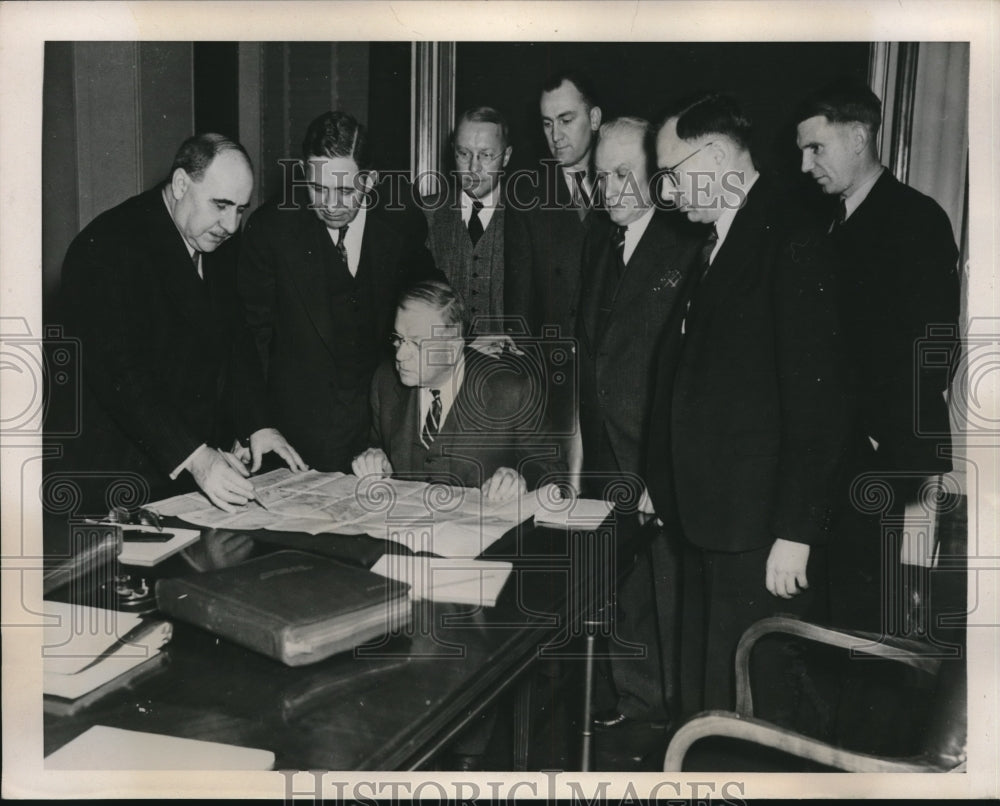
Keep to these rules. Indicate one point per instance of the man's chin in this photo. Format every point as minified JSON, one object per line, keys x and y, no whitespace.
{"x":407,"y":377}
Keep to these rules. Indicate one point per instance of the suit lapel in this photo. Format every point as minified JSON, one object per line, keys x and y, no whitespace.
{"x":315,"y":252}
{"x":173,"y":265}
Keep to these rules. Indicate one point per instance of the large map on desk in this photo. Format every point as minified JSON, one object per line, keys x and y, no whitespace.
{"x":438,"y":519}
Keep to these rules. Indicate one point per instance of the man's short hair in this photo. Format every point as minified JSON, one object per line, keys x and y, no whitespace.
{"x":640,"y":126}
{"x":440,"y":296}
{"x":578,"y":79}
{"x":485,"y":114}
{"x":711,"y":113}
{"x":843,"y":102}
{"x":196,"y":153}
{"x":337,"y":134}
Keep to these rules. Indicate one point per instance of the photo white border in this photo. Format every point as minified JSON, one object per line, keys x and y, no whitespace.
{"x":24,"y":27}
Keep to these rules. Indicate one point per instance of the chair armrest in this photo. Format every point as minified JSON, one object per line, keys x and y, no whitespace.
{"x":920,"y":656}
{"x":733,"y":726}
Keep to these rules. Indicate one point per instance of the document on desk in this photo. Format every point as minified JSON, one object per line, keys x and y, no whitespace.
{"x":446,"y":579}
{"x":106,"y":748}
{"x":434,"y":518}
{"x":87,"y":647}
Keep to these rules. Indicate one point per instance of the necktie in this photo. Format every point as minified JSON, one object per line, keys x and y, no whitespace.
{"x":581,"y":189}
{"x":341,"y":246}
{"x":432,"y":422}
{"x":706,"y":250}
{"x":475,"y":225}
{"x":618,"y":240}
{"x":196,"y":258}
{"x":840,"y":218}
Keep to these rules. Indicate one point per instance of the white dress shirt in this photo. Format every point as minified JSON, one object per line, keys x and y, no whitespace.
{"x":355,"y":235}
{"x":449,"y":391}
{"x":853,"y":202}
{"x":634,"y":233}
{"x":489,"y":202}
{"x":725,"y":221}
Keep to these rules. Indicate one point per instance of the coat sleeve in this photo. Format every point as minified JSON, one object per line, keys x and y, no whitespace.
{"x":105,"y":302}
{"x":814,"y":399}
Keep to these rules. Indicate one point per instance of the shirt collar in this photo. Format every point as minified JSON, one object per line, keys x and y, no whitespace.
{"x":448,"y":389}
{"x":489,"y":200}
{"x":853,"y":202}
{"x":635,"y":231}
{"x":163,"y":195}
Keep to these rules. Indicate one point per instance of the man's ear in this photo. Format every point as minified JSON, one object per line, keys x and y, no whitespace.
{"x":179,"y":182}
{"x":859,"y":137}
{"x":595,"y":118}
{"x":718,"y":151}
{"x":370,"y":179}
{"x":506,"y":155}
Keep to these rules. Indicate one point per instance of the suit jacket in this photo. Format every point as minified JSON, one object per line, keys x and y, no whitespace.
{"x":617,"y":350}
{"x":751,"y":410}
{"x":496,"y":420}
{"x":320,"y":349}
{"x":166,"y":362}
{"x":898,"y":260}
{"x":543,"y":248}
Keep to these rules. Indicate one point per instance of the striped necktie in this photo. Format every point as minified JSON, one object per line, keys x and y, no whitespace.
{"x":341,"y":246}
{"x":432,"y":422}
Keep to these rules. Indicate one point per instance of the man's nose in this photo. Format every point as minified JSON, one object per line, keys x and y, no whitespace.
{"x":231,"y":220}
{"x":807,"y":162}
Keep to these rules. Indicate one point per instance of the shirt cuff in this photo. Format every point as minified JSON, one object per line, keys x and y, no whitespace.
{"x":186,"y":464}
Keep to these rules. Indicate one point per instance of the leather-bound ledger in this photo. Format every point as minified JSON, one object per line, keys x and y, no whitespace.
{"x":298,"y":608}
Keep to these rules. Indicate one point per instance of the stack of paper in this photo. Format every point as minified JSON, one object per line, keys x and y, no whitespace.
{"x":582,"y":513}
{"x":443,"y":579}
{"x":86,"y":647}
{"x":104,"y":748}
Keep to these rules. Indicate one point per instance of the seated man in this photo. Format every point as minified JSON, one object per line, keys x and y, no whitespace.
{"x":446,"y":413}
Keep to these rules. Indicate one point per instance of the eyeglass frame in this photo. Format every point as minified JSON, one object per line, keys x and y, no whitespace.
{"x":670,"y":173}
{"x":484,"y":157}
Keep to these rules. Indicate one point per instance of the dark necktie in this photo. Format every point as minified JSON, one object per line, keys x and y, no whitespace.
{"x":341,"y":246}
{"x":618,"y":240}
{"x":432,"y":422}
{"x":707,"y":249}
{"x":840,"y":218}
{"x":195,"y":258}
{"x":475,"y":225}
{"x":579,"y":176}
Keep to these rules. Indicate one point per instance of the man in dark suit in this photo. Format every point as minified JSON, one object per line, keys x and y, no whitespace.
{"x":749,"y":419}
{"x":445,"y":413}
{"x":897,"y":258}
{"x":319,"y":284}
{"x":543,"y":246}
{"x":633,"y":267}
{"x":466,"y":224}
{"x":168,"y":368}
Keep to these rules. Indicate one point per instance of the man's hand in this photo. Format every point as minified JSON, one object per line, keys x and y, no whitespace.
{"x":226,"y":486}
{"x":373,"y":462}
{"x":503,"y":485}
{"x":270,"y":439}
{"x":495,"y":345}
{"x":786,"y":568}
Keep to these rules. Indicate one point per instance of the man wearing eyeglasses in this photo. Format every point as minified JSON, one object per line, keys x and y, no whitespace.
{"x":442,"y":412}
{"x":748,"y":424}
{"x":467,"y":221}
{"x":319,"y":278}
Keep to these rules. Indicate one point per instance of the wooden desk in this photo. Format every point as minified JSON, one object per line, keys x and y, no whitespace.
{"x":395,"y":703}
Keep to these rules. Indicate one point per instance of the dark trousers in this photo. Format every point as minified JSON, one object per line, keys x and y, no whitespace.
{"x":723,"y":594}
{"x":647,"y":616}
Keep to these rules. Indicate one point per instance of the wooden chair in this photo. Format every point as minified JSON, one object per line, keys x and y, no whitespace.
{"x":933,"y":565}
{"x":945,"y":741}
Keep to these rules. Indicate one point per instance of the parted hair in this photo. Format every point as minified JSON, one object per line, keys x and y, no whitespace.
{"x":711,"y":113}
{"x":337,"y":134}
{"x":485,"y":114}
{"x":843,"y":101}
{"x":439,"y":295}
